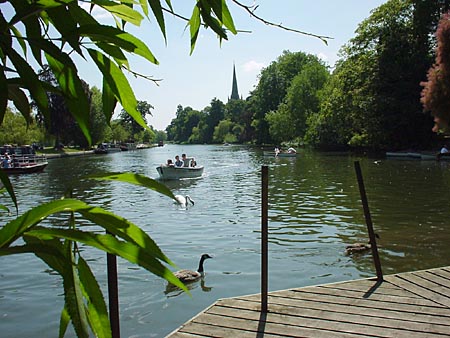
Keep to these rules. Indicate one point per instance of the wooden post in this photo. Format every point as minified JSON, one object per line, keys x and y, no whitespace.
{"x":264,"y":237}
{"x":372,"y":237}
{"x":113,"y":294}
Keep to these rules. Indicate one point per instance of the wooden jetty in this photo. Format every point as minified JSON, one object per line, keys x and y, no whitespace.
{"x":413,"y":304}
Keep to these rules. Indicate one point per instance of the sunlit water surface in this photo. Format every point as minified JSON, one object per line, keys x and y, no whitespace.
{"x":314,"y":211}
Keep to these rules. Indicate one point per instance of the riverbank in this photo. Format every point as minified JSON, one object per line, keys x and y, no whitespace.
{"x":67,"y":154}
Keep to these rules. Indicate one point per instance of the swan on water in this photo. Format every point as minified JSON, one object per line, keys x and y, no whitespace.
{"x":184,"y":200}
{"x":187,"y":276}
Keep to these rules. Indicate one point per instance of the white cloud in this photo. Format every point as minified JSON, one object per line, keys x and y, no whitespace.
{"x":252,"y":66}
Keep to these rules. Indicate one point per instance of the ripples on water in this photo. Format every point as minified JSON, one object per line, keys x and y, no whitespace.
{"x":314,"y":211}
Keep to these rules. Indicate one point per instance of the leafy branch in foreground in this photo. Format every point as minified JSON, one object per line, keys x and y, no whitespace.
{"x":58,"y":247}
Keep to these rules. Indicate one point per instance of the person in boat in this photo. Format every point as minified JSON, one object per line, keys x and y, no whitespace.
{"x":169,"y":163}
{"x":193,"y":163}
{"x":291,"y":151}
{"x":178,"y":162}
{"x":443,"y":152}
{"x":6,"y":161}
{"x":186,"y":160}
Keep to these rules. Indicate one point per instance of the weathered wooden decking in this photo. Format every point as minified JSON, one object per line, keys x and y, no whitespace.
{"x":413,"y":304}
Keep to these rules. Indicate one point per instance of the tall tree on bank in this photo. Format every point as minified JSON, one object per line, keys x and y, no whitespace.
{"x":130,"y":124}
{"x":436,"y":91}
{"x":272,"y":87}
{"x":378,"y":80}
{"x":59,"y":122}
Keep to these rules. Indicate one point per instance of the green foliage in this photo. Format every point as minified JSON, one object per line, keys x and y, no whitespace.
{"x":436,"y":91}
{"x":375,"y":86}
{"x":131,"y":125}
{"x":14,"y":130}
{"x":58,"y":247}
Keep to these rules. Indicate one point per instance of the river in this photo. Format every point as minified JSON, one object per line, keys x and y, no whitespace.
{"x":314,"y":212}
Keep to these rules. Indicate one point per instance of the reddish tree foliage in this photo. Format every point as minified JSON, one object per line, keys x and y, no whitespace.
{"x":436,"y":91}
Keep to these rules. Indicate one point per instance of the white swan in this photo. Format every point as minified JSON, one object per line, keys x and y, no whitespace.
{"x":184,"y":201}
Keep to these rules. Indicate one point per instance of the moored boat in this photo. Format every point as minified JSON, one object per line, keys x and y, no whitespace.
{"x":175,"y":173}
{"x":25,"y":164}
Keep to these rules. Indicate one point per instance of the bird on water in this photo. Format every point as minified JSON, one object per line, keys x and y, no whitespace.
{"x":184,"y":200}
{"x":187,"y":276}
{"x":358,"y":247}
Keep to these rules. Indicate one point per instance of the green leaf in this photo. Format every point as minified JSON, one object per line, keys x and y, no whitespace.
{"x":144,"y":6}
{"x":73,"y":296}
{"x":18,"y":226}
{"x":222,"y":12}
{"x":108,"y":100}
{"x":129,"y":251}
{"x":119,"y":85}
{"x":9,"y":188}
{"x":75,"y":95}
{"x":30,"y":80}
{"x":158,"y":13}
{"x":136,"y":179}
{"x":115,"y":36}
{"x":63,"y":322}
{"x":194,"y":26}
{"x":98,"y":313}
{"x":124,"y":12}
{"x":3,"y":95}
{"x":64,"y":23}
{"x":115,"y":52}
{"x":124,"y":229}
{"x":20,"y":101}
{"x":19,"y":39}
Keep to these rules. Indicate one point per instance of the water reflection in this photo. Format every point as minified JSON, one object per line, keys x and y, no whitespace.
{"x":174,"y":291}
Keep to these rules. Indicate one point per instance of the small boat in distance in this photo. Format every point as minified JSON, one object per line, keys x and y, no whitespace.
{"x":273,"y":154}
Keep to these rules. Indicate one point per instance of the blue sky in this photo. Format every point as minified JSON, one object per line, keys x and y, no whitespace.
{"x":195,"y":80}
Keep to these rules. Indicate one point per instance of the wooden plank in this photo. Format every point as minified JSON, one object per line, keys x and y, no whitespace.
{"x":418,"y":314}
{"x":322,"y":321}
{"x":432,"y":277}
{"x":404,"y":305}
{"x":408,"y":305}
{"x":363,"y":317}
{"x":417,"y":289}
{"x":248,"y":321}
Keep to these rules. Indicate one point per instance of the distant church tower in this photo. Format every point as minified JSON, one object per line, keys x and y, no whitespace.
{"x":234,"y":90}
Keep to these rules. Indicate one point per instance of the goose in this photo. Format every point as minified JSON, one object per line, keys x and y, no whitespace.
{"x":188,"y":276}
{"x":358,"y":247}
{"x":184,"y":201}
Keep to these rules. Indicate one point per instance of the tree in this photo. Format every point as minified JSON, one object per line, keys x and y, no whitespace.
{"x":14,"y":130}
{"x":98,"y":121}
{"x":436,"y":90}
{"x":379,"y":76}
{"x":130,"y":124}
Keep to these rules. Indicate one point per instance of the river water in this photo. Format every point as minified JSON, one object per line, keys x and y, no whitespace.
{"x":314,"y":212}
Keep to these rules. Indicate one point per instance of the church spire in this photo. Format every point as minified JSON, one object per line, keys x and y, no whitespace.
{"x":234,"y":90}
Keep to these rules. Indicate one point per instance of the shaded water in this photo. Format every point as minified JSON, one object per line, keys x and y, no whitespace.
{"x":314,"y":211}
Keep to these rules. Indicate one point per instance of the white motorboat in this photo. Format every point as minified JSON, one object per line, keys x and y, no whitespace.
{"x":176,"y":173}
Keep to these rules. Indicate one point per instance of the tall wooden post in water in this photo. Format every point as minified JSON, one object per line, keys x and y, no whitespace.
{"x":372,"y":237}
{"x":113,"y":294}
{"x":264,"y":236}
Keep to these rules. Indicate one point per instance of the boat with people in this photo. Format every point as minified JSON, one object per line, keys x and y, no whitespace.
{"x":25,"y":164}
{"x":187,"y":168}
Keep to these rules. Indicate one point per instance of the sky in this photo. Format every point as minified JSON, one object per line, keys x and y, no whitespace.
{"x":194,"y":80}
